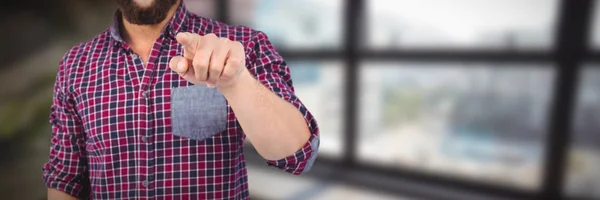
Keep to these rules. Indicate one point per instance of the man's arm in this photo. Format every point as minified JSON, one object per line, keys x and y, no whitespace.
{"x":273,"y":114}
{"x":261,"y":95}
{"x":64,"y":173}
{"x":54,"y":194}
{"x":276,"y":128}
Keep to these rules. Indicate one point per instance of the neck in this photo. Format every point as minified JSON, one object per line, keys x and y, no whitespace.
{"x":136,"y":35}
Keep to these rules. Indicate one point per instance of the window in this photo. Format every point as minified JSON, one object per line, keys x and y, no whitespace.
{"x":204,"y":8}
{"x":464,"y":94}
{"x":429,"y":24}
{"x":292,"y":24}
{"x":319,"y":86}
{"x":481,"y":121}
{"x":595,"y":28}
{"x":583,"y":166}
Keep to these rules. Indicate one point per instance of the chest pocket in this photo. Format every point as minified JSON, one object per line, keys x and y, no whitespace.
{"x":198,"y":112}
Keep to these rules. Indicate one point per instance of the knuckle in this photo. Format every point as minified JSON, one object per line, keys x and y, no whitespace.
{"x":234,"y":60}
{"x":215,"y":70}
{"x":227,"y":73}
{"x":203,"y":54}
{"x":225,"y":41}
{"x":211,"y":36}
{"x":214,"y":64}
{"x":200,"y":76}
{"x":197,"y":64}
{"x":199,"y":52}
{"x":238,"y":44}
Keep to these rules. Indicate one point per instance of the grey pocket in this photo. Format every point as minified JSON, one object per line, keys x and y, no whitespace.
{"x":198,"y":112}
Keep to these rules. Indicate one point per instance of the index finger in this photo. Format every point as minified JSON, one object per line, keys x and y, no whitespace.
{"x":190,"y":43}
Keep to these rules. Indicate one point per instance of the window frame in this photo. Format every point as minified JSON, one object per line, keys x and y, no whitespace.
{"x":569,"y":51}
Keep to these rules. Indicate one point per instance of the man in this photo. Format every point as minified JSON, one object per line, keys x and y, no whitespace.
{"x":159,"y":105}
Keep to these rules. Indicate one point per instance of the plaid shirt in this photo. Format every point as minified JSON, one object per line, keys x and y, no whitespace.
{"x":112,"y":128}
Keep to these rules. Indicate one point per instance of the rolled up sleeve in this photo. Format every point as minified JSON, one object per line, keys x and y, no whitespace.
{"x":272,"y":71}
{"x":66,"y":169}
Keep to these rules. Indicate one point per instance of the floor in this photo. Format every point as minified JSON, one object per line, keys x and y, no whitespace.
{"x":270,"y":183}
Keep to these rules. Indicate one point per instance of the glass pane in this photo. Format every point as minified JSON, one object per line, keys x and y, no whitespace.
{"x":595,"y":34}
{"x":204,"y":8}
{"x":583,"y":167}
{"x":483,"y":122}
{"x":300,"y":24}
{"x":493,"y":24}
{"x":320,"y":87}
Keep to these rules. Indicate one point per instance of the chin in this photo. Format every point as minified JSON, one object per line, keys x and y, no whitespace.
{"x":144,"y":3}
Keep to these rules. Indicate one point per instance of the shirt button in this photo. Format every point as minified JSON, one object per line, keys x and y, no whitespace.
{"x":145,"y":94}
{"x":145,"y":183}
{"x":144,"y":139}
{"x":135,"y":56}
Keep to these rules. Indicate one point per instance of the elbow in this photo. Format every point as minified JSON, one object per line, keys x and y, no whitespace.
{"x":306,"y":163}
{"x":310,"y":161}
{"x":64,"y":182}
{"x":302,"y":161}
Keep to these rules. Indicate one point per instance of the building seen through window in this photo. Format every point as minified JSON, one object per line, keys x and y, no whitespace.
{"x":456,"y":119}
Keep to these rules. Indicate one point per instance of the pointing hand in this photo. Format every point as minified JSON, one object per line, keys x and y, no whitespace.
{"x":215,"y":62}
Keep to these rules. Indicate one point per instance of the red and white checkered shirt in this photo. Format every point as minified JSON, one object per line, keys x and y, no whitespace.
{"x":112,"y":135}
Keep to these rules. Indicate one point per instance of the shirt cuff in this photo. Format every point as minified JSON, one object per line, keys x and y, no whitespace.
{"x":53,"y":181}
{"x":301,"y":161}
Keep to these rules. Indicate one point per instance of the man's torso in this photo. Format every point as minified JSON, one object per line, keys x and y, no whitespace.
{"x":127,"y":110}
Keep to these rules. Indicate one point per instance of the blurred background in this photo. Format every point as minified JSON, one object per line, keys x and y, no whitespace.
{"x":416,"y":99}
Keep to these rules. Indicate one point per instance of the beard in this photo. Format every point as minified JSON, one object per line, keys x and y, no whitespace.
{"x":154,"y":13}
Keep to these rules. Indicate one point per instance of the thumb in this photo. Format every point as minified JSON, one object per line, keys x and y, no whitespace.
{"x":179,"y":64}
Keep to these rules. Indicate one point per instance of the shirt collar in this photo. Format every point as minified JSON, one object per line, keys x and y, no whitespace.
{"x":178,"y":23}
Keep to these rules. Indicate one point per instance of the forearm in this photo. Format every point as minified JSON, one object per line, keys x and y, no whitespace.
{"x":274,"y":126}
{"x":54,"y":194}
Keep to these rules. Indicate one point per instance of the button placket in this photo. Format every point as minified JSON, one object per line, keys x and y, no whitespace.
{"x":151,"y":178}
{"x":145,"y":94}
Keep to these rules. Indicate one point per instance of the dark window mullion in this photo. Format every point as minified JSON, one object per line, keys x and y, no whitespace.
{"x":571,"y":45}
{"x":402,"y":55}
{"x":222,"y":7}
{"x":459,"y":55}
{"x":593,"y":57}
{"x":353,"y":15}
{"x":312,"y":54}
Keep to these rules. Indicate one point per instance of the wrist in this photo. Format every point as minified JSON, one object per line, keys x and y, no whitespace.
{"x":244,"y":81}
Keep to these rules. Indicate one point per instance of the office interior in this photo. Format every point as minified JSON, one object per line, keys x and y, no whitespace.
{"x":415,"y":99}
